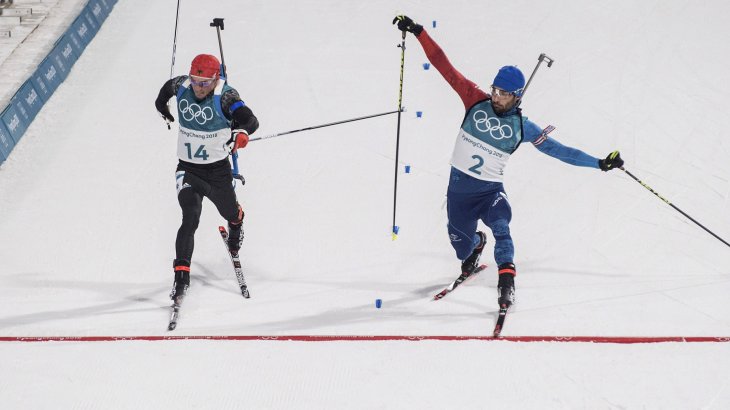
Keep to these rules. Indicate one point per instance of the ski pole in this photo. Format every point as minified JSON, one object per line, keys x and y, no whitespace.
{"x":540,"y":59}
{"x":218,"y":24}
{"x":397,"y":135}
{"x":672,"y":205}
{"x":320,"y":126}
{"x":174,"y":49}
{"x":174,"y":38}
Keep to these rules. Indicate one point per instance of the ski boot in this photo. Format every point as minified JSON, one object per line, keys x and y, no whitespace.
{"x":470,"y":264}
{"x":506,"y":285}
{"x":235,"y":233}
{"x":182,"y":279}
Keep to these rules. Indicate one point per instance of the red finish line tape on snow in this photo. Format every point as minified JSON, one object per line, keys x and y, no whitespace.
{"x":344,"y":338}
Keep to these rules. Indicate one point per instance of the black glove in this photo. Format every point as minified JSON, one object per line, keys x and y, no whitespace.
{"x":166,"y":114}
{"x":406,"y":24}
{"x":613,"y":160}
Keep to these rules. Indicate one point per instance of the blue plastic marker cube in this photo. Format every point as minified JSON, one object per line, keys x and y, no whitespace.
{"x":408,"y":169}
{"x":426,"y":66}
{"x":419,"y":114}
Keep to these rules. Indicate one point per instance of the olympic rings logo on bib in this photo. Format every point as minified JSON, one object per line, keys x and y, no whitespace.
{"x":195,"y":112}
{"x":484,"y":123}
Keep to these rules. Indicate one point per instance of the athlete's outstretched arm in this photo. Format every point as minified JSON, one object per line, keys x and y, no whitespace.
{"x":540,"y":140}
{"x":468,"y":91}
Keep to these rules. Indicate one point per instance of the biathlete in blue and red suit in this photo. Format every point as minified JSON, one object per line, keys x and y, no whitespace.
{"x":492,"y":130}
{"x":214,"y":123}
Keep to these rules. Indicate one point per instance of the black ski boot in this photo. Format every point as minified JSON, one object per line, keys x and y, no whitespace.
{"x":469,"y":265}
{"x":235,"y":233}
{"x":506,"y":284}
{"x":182,"y":278}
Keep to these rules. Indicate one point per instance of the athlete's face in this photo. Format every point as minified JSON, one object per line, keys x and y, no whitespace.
{"x":203,"y":86}
{"x":502,"y":101}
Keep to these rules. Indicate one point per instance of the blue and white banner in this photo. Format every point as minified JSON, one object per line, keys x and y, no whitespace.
{"x":30,"y":99}
{"x":63,"y":55}
{"x":90,"y":20}
{"x":82,"y":30}
{"x":14,"y":121}
{"x":46,"y":78}
{"x":99,"y":10}
{"x":38,"y":89}
{"x":6,"y":143}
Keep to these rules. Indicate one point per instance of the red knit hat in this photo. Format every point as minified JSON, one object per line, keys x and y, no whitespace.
{"x":205,"y":65}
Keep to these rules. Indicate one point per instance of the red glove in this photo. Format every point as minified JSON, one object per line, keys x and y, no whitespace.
{"x":239,"y":140}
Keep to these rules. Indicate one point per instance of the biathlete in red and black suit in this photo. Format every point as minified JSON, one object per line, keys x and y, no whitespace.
{"x":214,"y":123}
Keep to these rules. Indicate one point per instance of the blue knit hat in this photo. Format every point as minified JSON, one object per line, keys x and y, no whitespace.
{"x":510,"y":78}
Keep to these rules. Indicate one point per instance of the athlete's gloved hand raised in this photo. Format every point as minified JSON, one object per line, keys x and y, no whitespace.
{"x":239,"y":140}
{"x":405,"y":23}
{"x":613,"y":160}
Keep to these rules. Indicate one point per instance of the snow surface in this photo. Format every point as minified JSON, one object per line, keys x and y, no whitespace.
{"x":88,"y":214}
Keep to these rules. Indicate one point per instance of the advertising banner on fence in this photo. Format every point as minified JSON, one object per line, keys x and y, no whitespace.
{"x":63,"y":55}
{"x":82,"y":30}
{"x":30,"y":99}
{"x":6,"y":143}
{"x":38,"y":89}
{"x":92,"y":22}
{"x":98,"y":9}
{"x":46,"y":78}
{"x":14,"y":121}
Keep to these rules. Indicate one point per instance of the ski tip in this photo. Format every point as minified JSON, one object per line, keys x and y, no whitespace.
{"x":171,"y":327}
{"x":245,"y":293}
{"x":221,"y":229}
{"x":440,"y":295}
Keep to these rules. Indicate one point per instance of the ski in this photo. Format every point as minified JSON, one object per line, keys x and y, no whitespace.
{"x":177,"y":302}
{"x":463,"y":277}
{"x":236,"y":260}
{"x":500,"y":320}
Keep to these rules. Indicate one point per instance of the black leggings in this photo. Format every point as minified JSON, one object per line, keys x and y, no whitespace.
{"x":193,"y":184}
